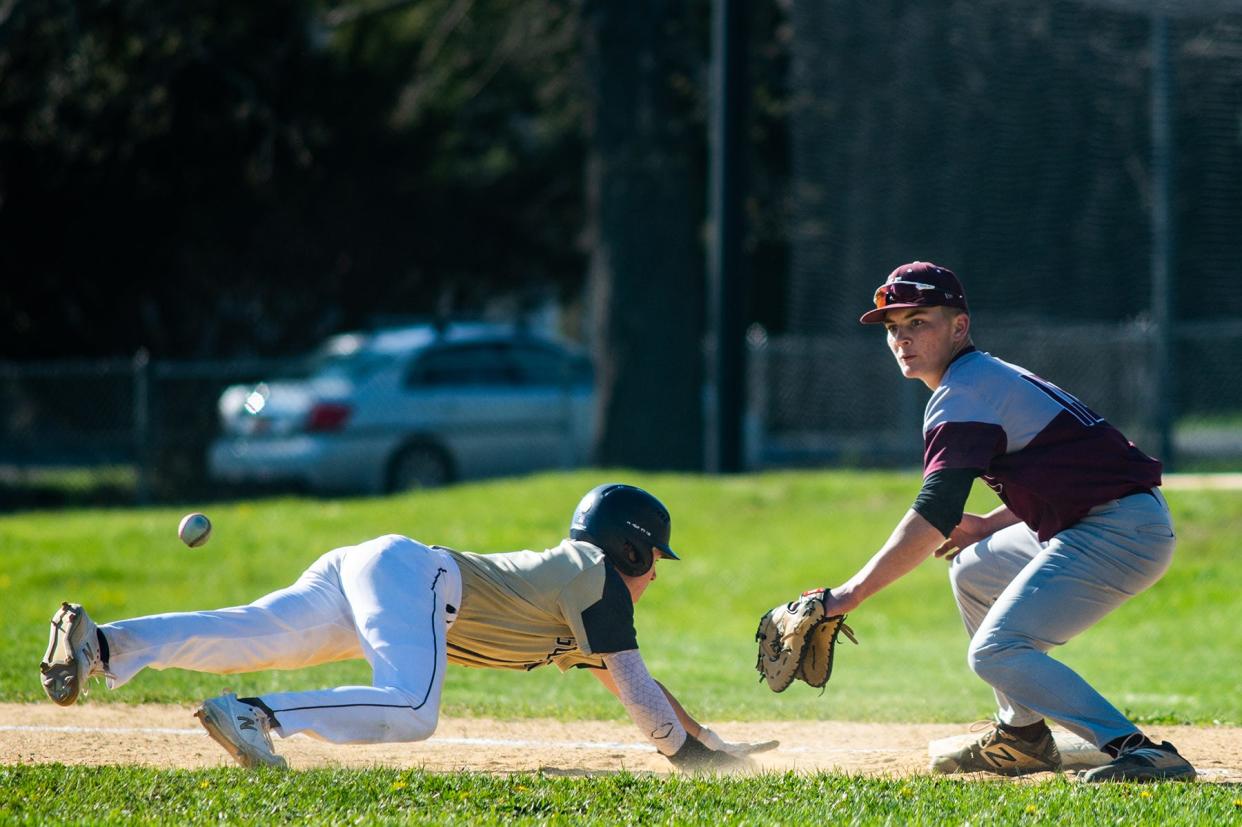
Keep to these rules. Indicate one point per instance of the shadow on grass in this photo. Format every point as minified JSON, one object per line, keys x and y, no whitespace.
{"x":49,"y":496}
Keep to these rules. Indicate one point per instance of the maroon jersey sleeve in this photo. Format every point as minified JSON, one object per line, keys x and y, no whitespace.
{"x":970,"y":445}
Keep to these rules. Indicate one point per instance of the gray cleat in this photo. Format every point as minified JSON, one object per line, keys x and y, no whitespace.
{"x":72,"y":655}
{"x":242,"y":729}
{"x":1145,"y":762}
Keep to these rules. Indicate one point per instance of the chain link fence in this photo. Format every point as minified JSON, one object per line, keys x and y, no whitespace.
{"x":842,"y":400}
{"x":1018,"y":142}
{"x":1077,"y":162}
{"x":112,"y":430}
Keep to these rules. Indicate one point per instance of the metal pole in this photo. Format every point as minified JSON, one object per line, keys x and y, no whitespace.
{"x":1163,"y":237}
{"x":725,"y":274}
{"x":142,"y":424}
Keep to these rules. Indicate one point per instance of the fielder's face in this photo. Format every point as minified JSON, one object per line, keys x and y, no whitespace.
{"x":925,"y":339}
{"x":638,"y":585}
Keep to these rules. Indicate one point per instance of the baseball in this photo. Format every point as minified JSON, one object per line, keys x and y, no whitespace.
{"x":195,"y":529}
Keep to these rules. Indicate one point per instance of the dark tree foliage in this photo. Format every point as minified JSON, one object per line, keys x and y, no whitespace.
{"x":225,"y":178}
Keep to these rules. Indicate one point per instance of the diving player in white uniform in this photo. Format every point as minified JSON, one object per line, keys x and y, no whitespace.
{"x":410,"y":609}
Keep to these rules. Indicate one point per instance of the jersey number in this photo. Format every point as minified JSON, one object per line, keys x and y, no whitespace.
{"x":1067,"y":401}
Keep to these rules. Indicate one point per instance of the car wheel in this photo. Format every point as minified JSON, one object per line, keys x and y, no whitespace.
{"x":419,"y":466}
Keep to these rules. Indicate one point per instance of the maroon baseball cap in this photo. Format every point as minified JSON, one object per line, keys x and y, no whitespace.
{"x":917,"y":284}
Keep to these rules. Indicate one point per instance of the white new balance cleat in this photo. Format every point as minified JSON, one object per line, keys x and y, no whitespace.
{"x":242,"y":729}
{"x":72,"y":655}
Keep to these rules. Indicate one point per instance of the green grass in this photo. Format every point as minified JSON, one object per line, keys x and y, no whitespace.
{"x":1227,"y":419}
{"x":77,"y":795}
{"x":747,"y":542}
{"x":57,"y":487}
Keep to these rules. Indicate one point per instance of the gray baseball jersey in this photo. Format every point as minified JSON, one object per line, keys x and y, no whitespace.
{"x":1048,"y":456}
{"x":524,"y":609}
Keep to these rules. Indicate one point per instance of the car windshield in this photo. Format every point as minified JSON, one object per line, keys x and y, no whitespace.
{"x":342,"y":357}
{"x":353,"y":366}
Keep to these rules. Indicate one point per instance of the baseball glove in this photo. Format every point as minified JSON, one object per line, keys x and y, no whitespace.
{"x":798,"y":640}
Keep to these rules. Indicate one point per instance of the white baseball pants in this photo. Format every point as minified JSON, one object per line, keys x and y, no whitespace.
{"x":1019,"y":598}
{"x":389,"y":600}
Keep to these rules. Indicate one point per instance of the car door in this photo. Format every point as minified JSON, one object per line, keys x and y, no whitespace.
{"x":467,"y":397}
{"x":555,"y":405}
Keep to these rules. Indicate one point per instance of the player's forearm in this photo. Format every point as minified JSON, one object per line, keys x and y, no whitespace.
{"x":911,"y":542}
{"x":646,"y":701}
{"x":692,"y":726}
{"x":687,"y":720}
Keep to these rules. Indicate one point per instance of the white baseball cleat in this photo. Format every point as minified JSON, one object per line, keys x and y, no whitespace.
{"x":242,"y":729}
{"x":72,"y":655}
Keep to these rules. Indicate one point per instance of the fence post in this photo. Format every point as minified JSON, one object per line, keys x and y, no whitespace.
{"x":725,"y":265}
{"x":1163,"y":232}
{"x":142,"y":425}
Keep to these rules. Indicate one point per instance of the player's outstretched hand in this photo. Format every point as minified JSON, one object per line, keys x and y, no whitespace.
{"x":695,"y":757}
{"x":740,"y":749}
{"x":969,"y":531}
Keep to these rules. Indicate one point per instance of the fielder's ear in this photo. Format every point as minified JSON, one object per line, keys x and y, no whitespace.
{"x":961,"y":326}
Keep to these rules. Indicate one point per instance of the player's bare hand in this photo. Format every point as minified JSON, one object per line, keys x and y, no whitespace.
{"x":969,"y":531}
{"x":739,"y":749}
{"x":948,"y":549}
{"x":839,"y":601}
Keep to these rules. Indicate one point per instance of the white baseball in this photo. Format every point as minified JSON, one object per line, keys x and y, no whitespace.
{"x":195,"y":529}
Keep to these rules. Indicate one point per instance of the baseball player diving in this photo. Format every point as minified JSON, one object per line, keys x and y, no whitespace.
{"x":410,"y":609}
{"x":1082,"y":528}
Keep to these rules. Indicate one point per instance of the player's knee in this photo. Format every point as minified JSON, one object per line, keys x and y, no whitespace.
{"x":418,"y":719}
{"x":974,"y":659}
{"x":984,"y":662}
{"x":964,"y":575}
{"x":993,"y":657}
{"x":412,"y":725}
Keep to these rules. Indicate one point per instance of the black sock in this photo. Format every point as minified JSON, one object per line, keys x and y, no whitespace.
{"x":103,"y":646}
{"x":271,"y":716}
{"x":1113,"y":747}
{"x":1030,"y":732}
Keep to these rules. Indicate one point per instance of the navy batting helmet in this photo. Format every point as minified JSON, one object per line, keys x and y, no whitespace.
{"x":626,"y":523}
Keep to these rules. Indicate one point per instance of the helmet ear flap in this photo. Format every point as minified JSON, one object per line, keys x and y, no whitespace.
{"x":636,"y":563}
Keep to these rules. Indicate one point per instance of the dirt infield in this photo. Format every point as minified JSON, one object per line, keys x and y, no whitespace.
{"x":168,"y":736}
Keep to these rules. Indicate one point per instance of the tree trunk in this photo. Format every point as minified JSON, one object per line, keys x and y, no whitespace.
{"x":645,"y":191}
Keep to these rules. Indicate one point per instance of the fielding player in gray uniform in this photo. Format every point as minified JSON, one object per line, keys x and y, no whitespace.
{"x":410,"y":609}
{"x":1082,"y":528}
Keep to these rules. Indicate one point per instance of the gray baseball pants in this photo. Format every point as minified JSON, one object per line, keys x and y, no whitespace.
{"x":1019,"y":598}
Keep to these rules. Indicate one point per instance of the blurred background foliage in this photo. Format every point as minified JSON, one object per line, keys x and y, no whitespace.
{"x":223,"y":178}
{"x":211,"y":179}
